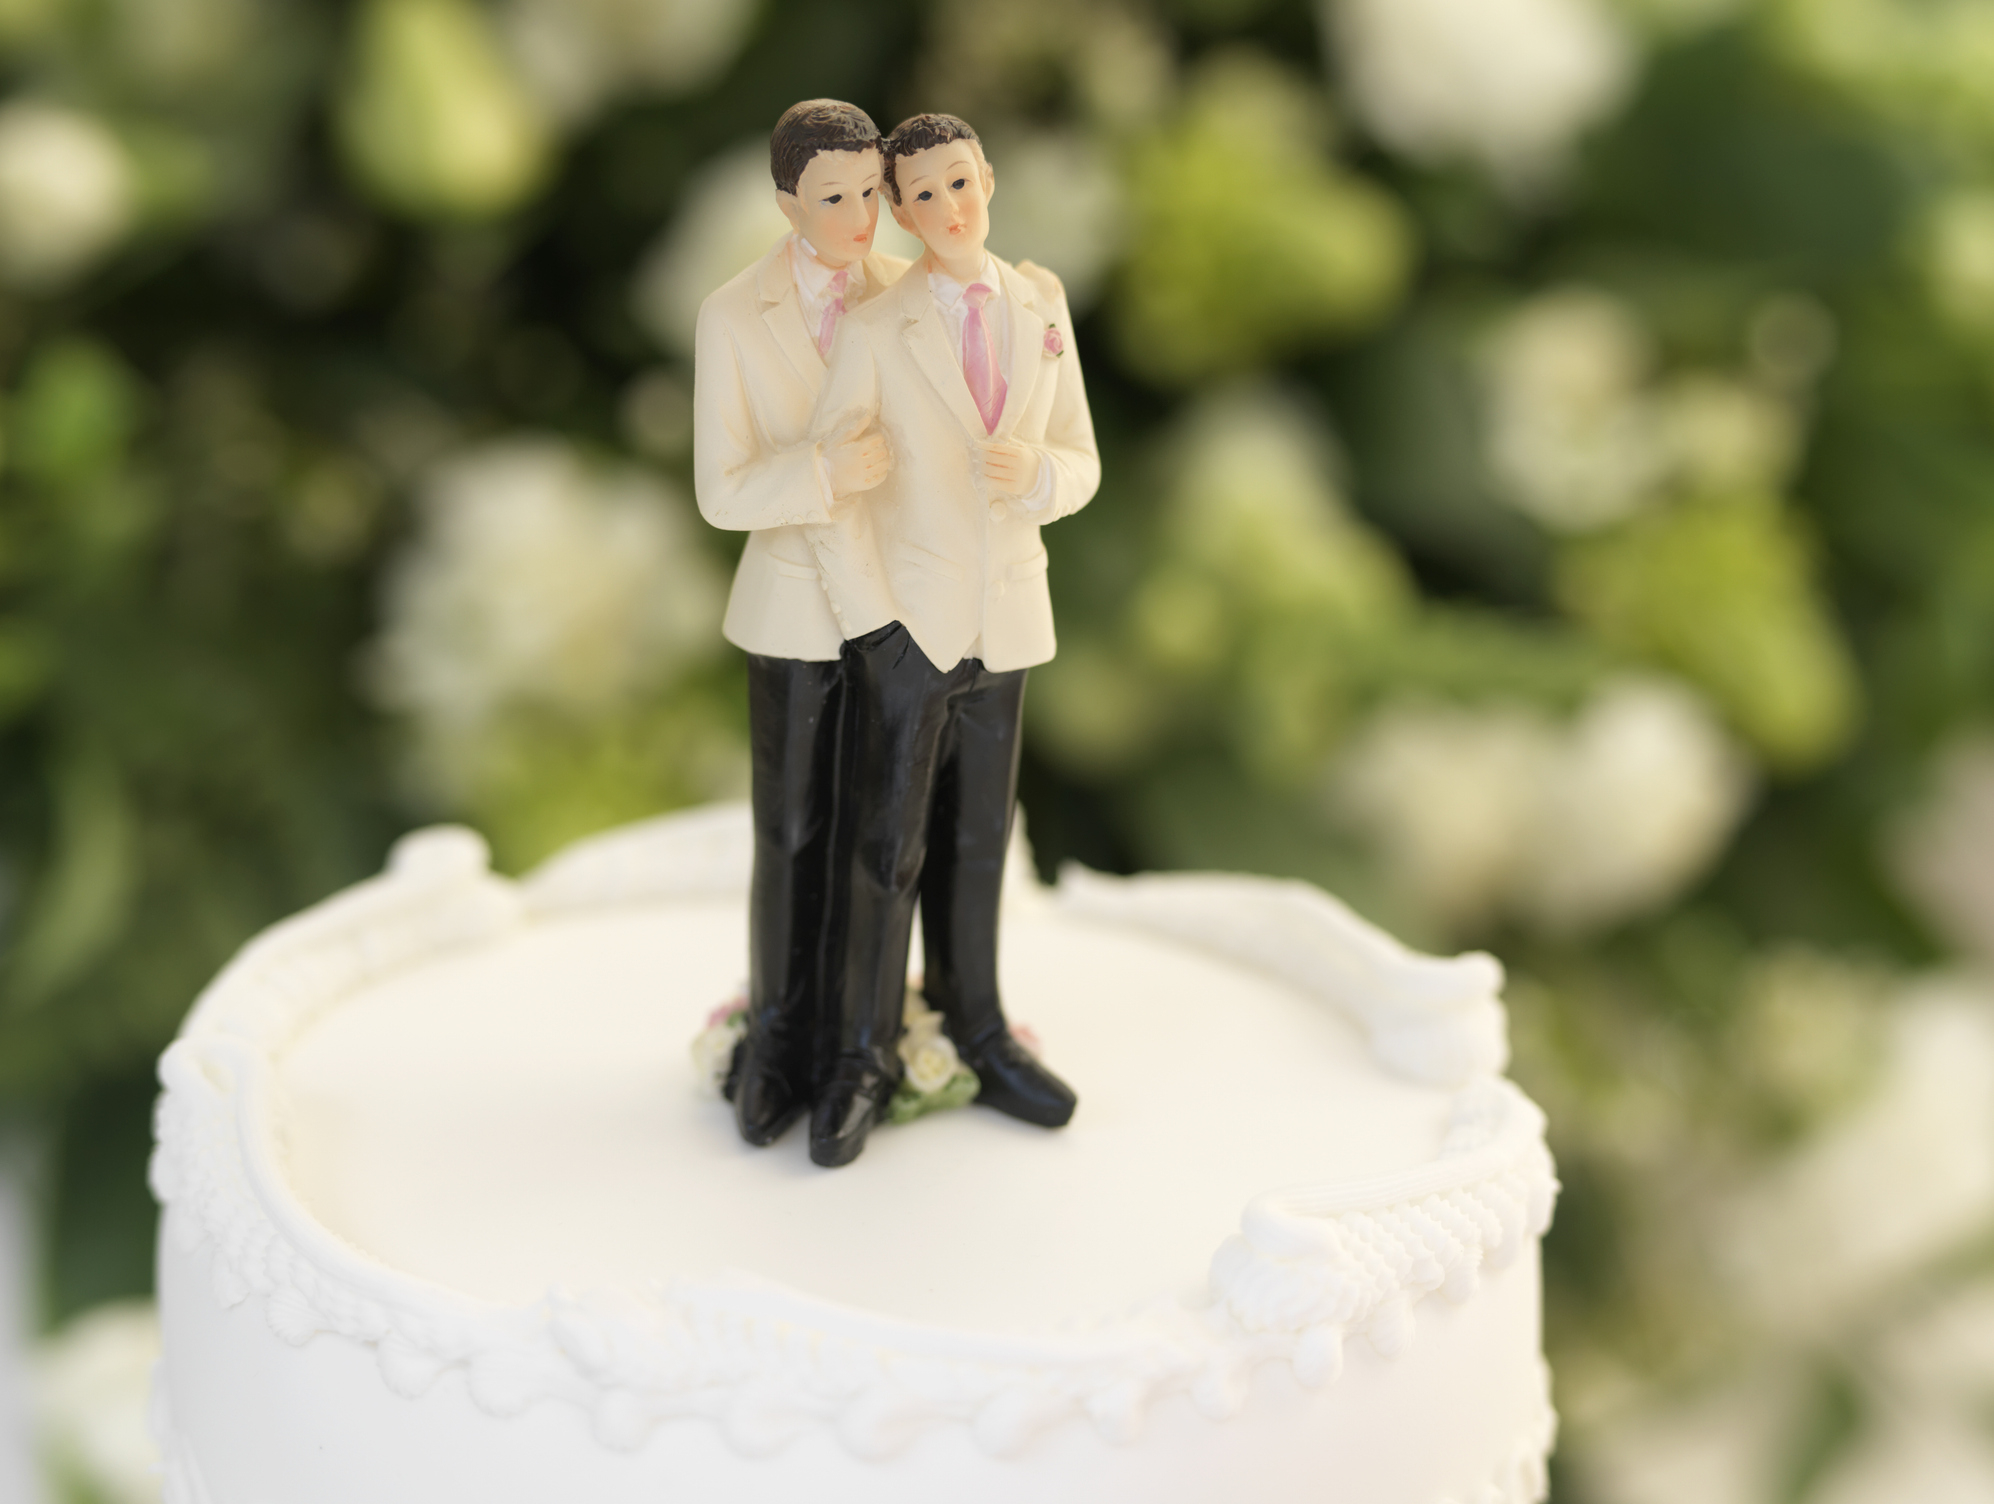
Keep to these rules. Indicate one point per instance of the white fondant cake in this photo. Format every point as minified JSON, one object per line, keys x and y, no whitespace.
{"x":449,"y":1216}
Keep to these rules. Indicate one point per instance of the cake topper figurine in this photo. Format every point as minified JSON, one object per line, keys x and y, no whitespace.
{"x":937,"y":579}
{"x":902,"y":529}
{"x":761,"y":343}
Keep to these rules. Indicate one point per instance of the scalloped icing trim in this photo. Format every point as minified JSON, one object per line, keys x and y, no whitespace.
{"x":1523,"y":1477}
{"x":1311,"y":1266}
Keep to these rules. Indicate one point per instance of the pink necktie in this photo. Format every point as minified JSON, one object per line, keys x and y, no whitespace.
{"x":828,"y":325}
{"x":979,"y":361}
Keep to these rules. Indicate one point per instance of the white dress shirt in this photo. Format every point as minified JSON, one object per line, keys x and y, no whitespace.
{"x":813,"y":284}
{"x":813,"y":296}
{"x":955,"y":313}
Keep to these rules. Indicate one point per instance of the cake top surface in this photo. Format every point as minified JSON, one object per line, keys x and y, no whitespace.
{"x":452,"y":1117}
{"x":525,"y":1115}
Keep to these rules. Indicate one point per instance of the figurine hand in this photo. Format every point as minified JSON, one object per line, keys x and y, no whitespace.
{"x":858,"y":464}
{"x":1011,"y":468}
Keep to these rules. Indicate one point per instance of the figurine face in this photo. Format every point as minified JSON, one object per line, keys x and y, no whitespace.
{"x":836,"y":204}
{"x":945,"y":199}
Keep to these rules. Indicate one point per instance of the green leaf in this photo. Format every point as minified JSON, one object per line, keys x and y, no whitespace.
{"x":1723,"y":590}
{"x":84,"y":896}
{"x":1249,"y":243}
{"x":958,"y":1091}
{"x":75,"y":415}
{"x":433,"y":119}
{"x":27,"y":662}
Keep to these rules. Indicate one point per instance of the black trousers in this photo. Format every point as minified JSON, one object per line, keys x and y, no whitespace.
{"x":926,"y":792}
{"x":794,"y":716}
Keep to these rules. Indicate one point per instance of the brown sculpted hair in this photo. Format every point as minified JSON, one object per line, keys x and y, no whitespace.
{"x":918,"y":133}
{"x":810,"y":127}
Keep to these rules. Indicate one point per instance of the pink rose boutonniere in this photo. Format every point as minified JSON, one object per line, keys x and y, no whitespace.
{"x":1054,"y":345}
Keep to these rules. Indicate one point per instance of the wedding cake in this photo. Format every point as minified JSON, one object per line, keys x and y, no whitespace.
{"x":451,"y":1212}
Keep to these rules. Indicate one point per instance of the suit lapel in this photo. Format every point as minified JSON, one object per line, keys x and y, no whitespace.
{"x":1028,"y":328}
{"x":784,"y":316}
{"x":927,"y":335}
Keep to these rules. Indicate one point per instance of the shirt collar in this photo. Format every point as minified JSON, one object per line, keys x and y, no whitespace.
{"x":948,"y":292}
{"x":813,"y":277}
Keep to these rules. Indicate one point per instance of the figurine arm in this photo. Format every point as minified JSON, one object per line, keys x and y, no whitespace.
{"x":845,"y":547}
{"x":740,"y":483}
{"x":849,"y":402}
{"x":1069,"y":464}
{"x":1070,"y":452}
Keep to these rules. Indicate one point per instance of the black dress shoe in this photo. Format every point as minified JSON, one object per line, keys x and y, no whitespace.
{"x":767,"y":1098}
{"x":1015,"y":1083}
{"x":852,"y":1100}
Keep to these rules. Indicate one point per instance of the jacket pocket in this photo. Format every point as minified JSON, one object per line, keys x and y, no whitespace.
{"x":1024,"y":569}
{"x":791,"y":571}
{"x":934,"y":563}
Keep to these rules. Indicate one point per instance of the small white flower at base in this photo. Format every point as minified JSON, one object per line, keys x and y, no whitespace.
{"x":931,"y":1063}
{"x":933,"y":1078}
{"x":713,"y":1046}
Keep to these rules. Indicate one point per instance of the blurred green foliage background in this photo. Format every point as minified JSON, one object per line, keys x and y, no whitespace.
{"x":1549,"y":500}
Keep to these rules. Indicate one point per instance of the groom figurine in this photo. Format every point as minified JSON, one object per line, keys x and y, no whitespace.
{"x":762,"y":340}
{"x":936,"y":579}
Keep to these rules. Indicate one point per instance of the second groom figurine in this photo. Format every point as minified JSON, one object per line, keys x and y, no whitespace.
{"x":936,"y":577}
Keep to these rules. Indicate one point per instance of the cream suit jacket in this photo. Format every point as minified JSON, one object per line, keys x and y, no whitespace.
{"x":931,"y":547}
{"x":756,"y":375}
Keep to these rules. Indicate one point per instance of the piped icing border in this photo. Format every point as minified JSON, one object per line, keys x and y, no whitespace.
{"x":1522,"y":1477}
{"x":1310,"y":1267}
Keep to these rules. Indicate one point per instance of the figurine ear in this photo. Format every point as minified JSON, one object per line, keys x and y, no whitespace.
{"x":792,"y":209}
{"x":901,"y":217}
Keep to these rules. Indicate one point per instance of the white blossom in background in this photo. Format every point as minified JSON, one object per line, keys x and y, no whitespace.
{"x":1726,"y":435}
{"x":1887,"y":1191}
{"x":1580,"y":433}
{"x":1059,"y":204}
{"x":1446,"y":794}
{"x":1943,"y":854}
{"x":1485,"y":811}
{"x":93,"y":1395}
{"x":537,"y":578}
{"x":1571,"y":440}
{"x":577,"y":55}
{"x":1958,"y":259}
{"x":728,"y":221}
{"x":1728,"y":1445}
{"x":1810,"y":1022}
{"x":1913,"y":1459}
{"x":1507,"y":84}
{"x":66,"y":193}
{"x":1642,"y":794}
{"x":1941,"y":1359}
